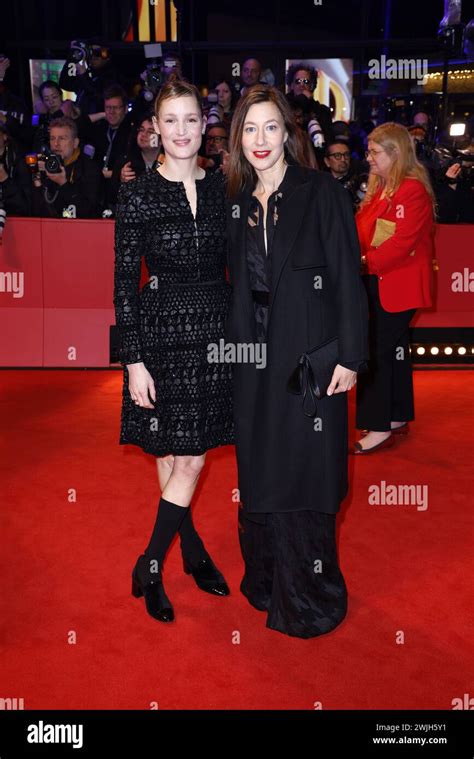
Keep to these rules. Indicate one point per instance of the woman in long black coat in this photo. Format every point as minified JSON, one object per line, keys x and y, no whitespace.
{"x":294,"y":266}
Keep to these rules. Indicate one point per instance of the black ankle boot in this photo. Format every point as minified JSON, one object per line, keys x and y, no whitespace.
{"x":150,"y":585}
{"x":207,"y":576}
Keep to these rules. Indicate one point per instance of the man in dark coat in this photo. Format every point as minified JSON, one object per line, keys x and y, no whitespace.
{"x":110,"y":137}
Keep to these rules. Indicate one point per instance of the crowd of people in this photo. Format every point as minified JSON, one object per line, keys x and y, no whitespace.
{"x":69,"y":160}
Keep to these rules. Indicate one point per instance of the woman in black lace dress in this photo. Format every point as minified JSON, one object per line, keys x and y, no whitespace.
{"x":176,"y":403}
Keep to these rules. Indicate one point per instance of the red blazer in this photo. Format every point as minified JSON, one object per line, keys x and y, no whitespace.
{"x":404,"y":262}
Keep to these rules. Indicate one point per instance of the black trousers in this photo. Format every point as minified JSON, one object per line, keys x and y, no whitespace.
{"x":385,"y":392}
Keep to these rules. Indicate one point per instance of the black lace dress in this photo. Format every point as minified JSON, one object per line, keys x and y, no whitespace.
{"x":181,"y":310}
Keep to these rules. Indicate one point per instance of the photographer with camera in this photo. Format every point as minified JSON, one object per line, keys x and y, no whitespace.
{"x":216,"y":148}
{"x":302,"y":82}
{"x":453,"y":158}
{"x":66,"y":184}
{"x":157,"y":72}
{"x":88,"y":71}
{"x":455,"y":194}
{"x":346,"y":170}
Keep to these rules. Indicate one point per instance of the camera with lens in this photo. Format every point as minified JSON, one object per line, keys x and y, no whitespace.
{"x":53,"y":163}
{"x":445,"y":157}
{"x":455,"y":147}
{"x":153,"y":77}
{"x":356,"y":185}
{"x":214,"y":111}
{"x":155,"y":74}
{"x":80,"y":52}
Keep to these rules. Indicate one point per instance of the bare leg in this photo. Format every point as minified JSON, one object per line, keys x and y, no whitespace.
{"x":178,"y":476}
{"x":164,"y":466}
{"x":183,"y":479}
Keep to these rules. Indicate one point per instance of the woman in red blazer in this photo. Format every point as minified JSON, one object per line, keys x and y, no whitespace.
{"x":395,"y":225}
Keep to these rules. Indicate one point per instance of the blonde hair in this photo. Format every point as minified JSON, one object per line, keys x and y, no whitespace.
{"x":176,"y":87}
{"x":396,"y":141}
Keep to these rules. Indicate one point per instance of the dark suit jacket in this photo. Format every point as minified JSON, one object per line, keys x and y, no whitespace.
{"x":286,"y":461}
{"x":83,"y":192}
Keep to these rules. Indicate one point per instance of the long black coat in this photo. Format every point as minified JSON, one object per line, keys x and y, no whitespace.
{"x":287,"y":461}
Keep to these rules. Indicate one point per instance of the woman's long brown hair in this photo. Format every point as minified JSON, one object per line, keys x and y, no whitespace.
{"x":240,"y":171}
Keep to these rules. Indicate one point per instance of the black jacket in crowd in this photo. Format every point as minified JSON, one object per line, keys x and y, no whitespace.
{"x":15,"y":191}
{"x":89,"y":87}
{"x":82,"y":190}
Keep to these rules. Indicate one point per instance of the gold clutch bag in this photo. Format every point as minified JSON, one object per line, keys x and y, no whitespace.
{"x":384,"y":229}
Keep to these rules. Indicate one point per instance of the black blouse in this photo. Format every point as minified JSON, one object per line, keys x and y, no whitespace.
{"x":259,"y":259}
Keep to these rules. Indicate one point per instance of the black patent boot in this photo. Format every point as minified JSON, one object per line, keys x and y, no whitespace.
{"x":206,"y":576}
{"x":150,"y":585}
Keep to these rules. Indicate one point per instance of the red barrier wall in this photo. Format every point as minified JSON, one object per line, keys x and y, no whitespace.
{"x":56,"y":290}
{"x":454,"y":282}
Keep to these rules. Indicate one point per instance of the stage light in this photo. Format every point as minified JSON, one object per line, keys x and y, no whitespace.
{"x":457,"y":130}
{"x":442,"y":353}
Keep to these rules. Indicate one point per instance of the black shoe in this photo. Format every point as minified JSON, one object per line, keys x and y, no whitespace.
{"x":157,"y":602}
{"x":207,"y":576}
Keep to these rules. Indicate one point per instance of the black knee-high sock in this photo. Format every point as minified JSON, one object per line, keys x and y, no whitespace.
{"x":192,"y":546}
{"x":167,"y":524}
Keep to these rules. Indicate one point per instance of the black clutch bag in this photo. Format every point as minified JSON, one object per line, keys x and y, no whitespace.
{"x":313,"y":374}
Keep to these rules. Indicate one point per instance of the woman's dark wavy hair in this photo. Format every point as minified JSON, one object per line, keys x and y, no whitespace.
{"x":241,"y":172}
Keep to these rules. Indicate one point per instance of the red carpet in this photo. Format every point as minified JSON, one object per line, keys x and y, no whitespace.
{"x":66,"y":566}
